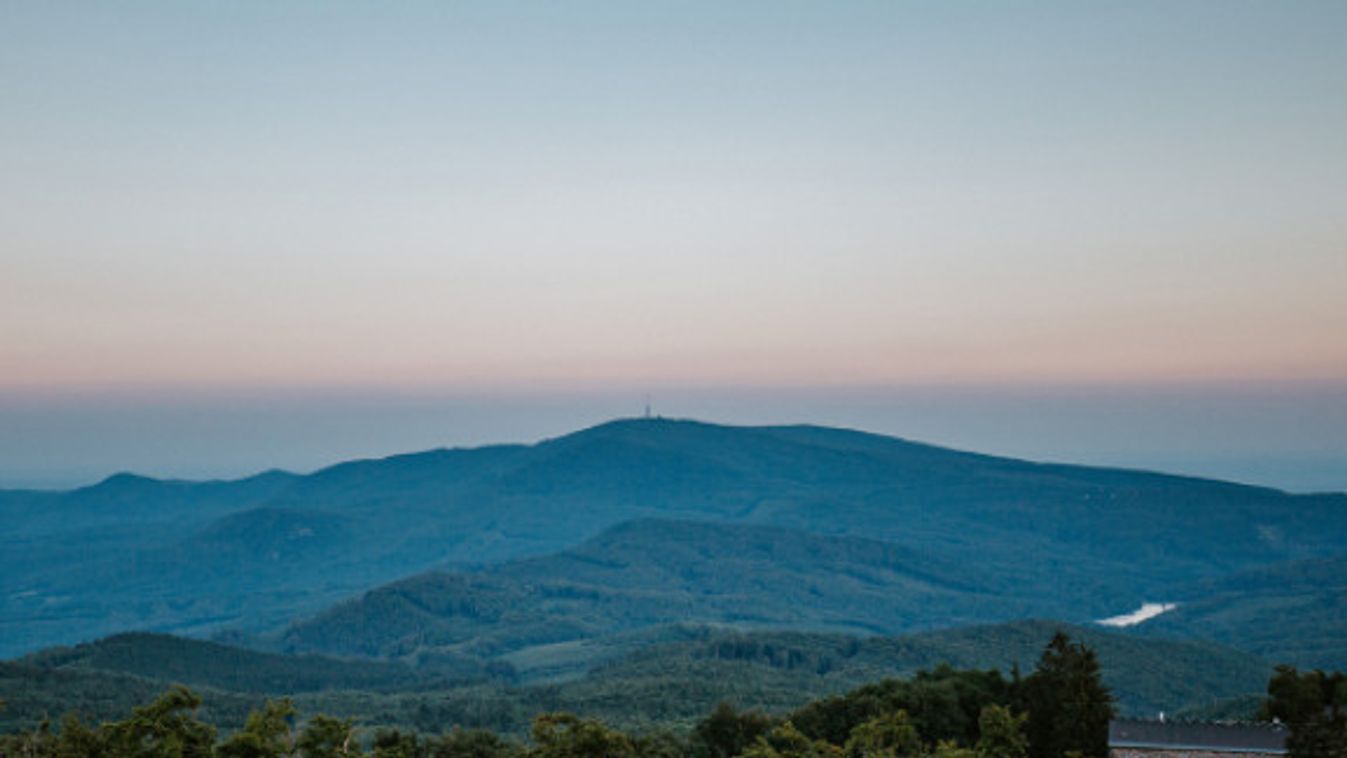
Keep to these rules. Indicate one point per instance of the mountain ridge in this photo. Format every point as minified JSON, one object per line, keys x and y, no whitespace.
{"x":1100,"y":536}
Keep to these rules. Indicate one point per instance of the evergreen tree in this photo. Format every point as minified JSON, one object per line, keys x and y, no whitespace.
{"x":1069,"y":706}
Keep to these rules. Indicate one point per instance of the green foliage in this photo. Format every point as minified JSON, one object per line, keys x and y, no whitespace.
{"x":943,"y":704}
{"x":327,"y":737}
{"x":889,"y":736}
{"x":1069,"y":706}
{"x":563,"y":735}
{"x":474,"y":743}
{"x":392,"y":743}
{"x":661,"y":744}
{"x":727,"y":732}
{"x":785,"y":741}
{"x":952,"y":749}
{"x":166,"y":728}
{"x":925,"y":716}
{"x":1001,"y":733}
{"x":1314,"y":704}
{"x":648,"y":682}
{"x":266,"y":734}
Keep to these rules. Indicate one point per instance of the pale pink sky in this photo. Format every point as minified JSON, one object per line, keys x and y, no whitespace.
{"x":472,"y":196}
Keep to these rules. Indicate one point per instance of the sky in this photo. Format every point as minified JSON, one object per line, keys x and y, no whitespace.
{"x":254,"y":234}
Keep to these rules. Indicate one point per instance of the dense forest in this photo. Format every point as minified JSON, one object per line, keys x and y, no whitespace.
{"x":1062,"y":708}
{"x":666,"y":677}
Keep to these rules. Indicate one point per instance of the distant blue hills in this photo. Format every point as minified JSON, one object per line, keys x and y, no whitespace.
{"x":519,"y":555}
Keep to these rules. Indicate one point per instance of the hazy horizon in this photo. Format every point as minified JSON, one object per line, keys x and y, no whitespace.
{"x":1290,"y":436}
{"x":283,"y":225}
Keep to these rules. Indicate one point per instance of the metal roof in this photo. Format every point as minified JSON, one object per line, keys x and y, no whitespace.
{"x":1229,"y":738}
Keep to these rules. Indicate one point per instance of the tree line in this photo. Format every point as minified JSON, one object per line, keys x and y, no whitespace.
{"x":1060,"y":710}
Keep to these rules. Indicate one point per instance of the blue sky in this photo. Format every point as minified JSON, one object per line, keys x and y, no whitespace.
{"x":526,"y":201}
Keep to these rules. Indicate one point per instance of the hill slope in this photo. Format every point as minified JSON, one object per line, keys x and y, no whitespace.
{"x":1292,"y":612}
{"x":668,"y":684}
{"x":1146,"y":675}
{"x":208,"y":664}
{"x":653,"y":572}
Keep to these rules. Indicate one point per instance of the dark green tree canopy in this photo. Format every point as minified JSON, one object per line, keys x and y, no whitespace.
{"x":1314,"y":705}
{"x":1068,"y":705}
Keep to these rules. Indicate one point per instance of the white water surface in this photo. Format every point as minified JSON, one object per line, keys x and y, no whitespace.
{"x":1146,"y":612}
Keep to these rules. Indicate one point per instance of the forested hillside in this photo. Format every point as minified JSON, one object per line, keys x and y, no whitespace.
{"x":653,"y":572}
{"x":650,"y":683}
{"x":1059,"y":705}
{"x":1292,"y":612}
{"x":224,"y":667}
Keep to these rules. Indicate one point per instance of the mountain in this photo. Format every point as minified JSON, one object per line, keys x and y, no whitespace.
{"x":73,"y":564}
{"x":127,"y":498}
{"x":197,"y":558}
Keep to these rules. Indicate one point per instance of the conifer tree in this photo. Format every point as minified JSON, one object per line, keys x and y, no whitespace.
{"x":1069,"y":706}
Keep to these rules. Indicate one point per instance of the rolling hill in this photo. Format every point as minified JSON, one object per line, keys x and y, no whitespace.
{"x":654,"y":572}
{"x":1146,"y":675}
{"x":224,"y":667}
{"x":670,"y":684}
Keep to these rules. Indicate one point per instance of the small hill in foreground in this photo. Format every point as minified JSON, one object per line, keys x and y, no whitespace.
{"x":224,"y":667}
{"x":672,"y":683}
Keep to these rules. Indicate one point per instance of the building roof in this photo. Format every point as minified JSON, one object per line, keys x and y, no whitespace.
{"x":1229,"y":738}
